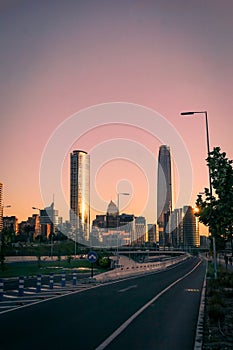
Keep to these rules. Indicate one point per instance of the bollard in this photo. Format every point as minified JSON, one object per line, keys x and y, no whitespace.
{"x":21,"y":286}
{"x":1,"y":289}
{"x":51,"y":280}
{"x":63,"y":279}
{"x":74,"y":278}
{"x":38,"y":284}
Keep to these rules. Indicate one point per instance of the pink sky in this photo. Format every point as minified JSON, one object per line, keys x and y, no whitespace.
{"x":58,"y":57}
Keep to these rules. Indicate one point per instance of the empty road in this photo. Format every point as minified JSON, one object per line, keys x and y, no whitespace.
{"x":157,"y":311}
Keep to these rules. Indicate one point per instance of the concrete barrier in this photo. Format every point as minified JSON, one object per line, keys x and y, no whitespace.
{"x":138,"y":268}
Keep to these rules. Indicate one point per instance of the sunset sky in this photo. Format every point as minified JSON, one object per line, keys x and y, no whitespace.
{"x":73,"y":60}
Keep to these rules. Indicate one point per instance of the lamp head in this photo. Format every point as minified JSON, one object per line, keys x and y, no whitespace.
{"x":187,"y":113}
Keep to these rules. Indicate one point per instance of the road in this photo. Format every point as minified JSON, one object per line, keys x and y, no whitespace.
{"x":157,"y":311}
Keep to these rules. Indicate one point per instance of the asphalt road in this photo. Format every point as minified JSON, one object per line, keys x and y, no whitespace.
{"x":88,"y":320}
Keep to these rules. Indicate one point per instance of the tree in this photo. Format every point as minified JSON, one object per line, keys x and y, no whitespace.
{"x":6,"y":238}
{"x":216,"y":209}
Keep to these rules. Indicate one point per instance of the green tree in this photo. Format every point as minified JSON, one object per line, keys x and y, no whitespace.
{"x":216,"y":209}
{"x":7,"y":238}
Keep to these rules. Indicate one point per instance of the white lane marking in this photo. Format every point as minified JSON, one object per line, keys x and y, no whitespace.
{"x":124,"y":325}
{"x":128,"y":288}
{"x":195,"y":290}
{"x":49,"y":299}
{"x":10,"y":296}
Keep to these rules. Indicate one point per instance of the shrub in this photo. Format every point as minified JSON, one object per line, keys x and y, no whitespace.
{"x":216,"y":312}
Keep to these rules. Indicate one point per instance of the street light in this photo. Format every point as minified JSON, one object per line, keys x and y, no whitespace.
{"x":1,"y":210}
{"x":210,"y":183}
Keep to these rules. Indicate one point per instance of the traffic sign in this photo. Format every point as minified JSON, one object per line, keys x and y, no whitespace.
{"x":92,"y":257}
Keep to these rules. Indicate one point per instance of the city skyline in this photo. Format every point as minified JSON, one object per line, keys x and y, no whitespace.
{"x":65,"y":58}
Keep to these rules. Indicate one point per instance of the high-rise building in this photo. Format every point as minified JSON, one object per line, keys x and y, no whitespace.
{"x":48,"y":220}
{"x":80,"y":193}
{"x":151,"y":228}
{"x":191,"y":236}
{"x":176,"y":227}
{"x":11,"y":222}
{"x":164,"y":194}
{"x":112,"y":215}
{"x":1,"y":206}
{"x":140,"y":230}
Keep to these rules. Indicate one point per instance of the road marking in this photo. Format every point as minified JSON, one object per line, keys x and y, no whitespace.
{"x":51,"y":297}
{"x":192,"y":290}
{"x":128,"y":288}
{"x":124,"y":325}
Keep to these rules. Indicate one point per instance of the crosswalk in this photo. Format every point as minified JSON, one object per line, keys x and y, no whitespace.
{"x":12,"y":300}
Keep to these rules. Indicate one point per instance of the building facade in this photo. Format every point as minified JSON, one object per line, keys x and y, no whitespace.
{"x":164,"y":194}
{"x":48,"y":220}
{"x":191,"y":236}
{"x":80,"y":193}
{"x":11,"y":222}
{"x":140,"y":230}
{"x":151,"y":228}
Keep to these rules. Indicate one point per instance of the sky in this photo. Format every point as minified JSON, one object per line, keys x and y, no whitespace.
{"x":93,"y":68}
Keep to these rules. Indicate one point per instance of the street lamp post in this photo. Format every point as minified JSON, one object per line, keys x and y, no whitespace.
{"x":210,"y":183}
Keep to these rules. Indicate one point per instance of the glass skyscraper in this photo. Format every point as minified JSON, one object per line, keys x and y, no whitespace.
{"x":80,"y":193}
{"x":164,"y":194}
{"x":191,"y":236}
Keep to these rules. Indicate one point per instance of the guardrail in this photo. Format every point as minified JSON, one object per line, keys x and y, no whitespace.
{"x":137,"y":268}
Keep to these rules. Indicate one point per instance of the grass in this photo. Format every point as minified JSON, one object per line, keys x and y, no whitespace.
{"x":45,"y":268}
{"x":218,"y":324}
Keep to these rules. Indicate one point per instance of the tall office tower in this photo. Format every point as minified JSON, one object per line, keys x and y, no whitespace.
{"x":1,"y":206}
{"x":140,"y":230}
{"x":164,"y":194}
{"x":80,"y":193}
{"x":151,"y":228}
{"x":191,"y":236}
{"x":176,"y":222}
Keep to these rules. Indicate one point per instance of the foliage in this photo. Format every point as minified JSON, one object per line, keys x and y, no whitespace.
{"x":216,"y":209}
{"x":7,"y":237}
{"x":32,"y":268}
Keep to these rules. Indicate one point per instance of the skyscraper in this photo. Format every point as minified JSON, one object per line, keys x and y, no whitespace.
{"x":191,"y":236}
{"x":164,"y":194}
{"x":80,"y":193}
{"x":1,"y":206}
